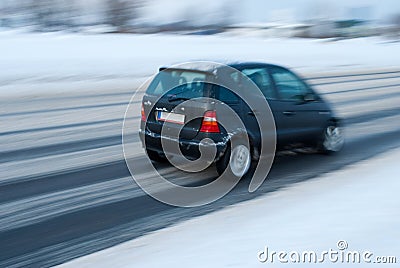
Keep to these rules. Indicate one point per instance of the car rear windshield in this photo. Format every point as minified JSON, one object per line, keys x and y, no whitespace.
{"x":182,"y":83}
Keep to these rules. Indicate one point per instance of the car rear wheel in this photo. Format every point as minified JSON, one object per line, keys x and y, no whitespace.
{"x":238,"y":160}
{"x":332,"y":139}
{"x":155,"y":156}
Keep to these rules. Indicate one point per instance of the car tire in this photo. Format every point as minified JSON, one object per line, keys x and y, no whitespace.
{"x":155,"y":156}
{"x":332,"y":140}
{"x":238,"y":160}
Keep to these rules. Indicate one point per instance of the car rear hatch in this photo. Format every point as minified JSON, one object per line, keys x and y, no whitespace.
{"x":173,"y":87}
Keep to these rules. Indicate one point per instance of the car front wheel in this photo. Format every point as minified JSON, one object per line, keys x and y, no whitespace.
{"x":332,"y":139}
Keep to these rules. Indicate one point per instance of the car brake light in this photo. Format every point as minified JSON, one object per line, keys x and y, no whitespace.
{"x":210,"y":123}
{"x":143,"y":114}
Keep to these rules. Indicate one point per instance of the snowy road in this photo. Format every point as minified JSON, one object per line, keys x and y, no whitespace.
{"x":296,"y":220}
{"x":65,"y":190}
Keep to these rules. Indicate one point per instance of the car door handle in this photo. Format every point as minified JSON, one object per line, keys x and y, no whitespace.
{"x":289,"y":113}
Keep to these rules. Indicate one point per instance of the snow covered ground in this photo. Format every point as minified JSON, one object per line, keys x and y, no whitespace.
{"x":61,"y":62}
{"x":358,"y":205}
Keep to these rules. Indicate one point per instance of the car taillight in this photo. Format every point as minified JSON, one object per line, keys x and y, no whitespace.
{"x":210,"y":123}
{"x":143,"y":114}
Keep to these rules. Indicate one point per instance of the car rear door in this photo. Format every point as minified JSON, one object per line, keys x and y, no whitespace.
{"x":259,"y":75}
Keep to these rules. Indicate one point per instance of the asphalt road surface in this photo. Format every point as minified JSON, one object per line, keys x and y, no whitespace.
{"x":65,"y":190}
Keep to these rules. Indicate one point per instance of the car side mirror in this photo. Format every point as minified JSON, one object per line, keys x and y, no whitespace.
{"x":309,"y":97}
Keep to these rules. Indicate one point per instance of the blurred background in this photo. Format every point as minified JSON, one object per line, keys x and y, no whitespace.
{"x":69,"y":69}
{"x":286,"y":18}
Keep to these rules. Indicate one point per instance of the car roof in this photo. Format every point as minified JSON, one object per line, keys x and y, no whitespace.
{"x":212,"y":67}
{"x":244,"y":65}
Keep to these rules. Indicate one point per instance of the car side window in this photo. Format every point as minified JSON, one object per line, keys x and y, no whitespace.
{"x":226,"y":95}
{"x":261,"y":78}
{"x":288,"y":85}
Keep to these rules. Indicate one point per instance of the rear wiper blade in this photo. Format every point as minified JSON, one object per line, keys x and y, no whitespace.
{"x":173,"y":98}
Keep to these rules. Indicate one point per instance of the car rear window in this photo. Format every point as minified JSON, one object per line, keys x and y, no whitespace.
{"x":186,"y":84}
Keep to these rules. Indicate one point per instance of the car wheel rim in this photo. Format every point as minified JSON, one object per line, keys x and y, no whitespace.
{"x":240,"y":160}
{"x":333,"y":139}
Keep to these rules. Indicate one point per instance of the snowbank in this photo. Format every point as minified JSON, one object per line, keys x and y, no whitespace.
{"x":32,"y":58}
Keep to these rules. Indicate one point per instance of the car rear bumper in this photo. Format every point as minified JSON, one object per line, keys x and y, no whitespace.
{"x":189,"y":148}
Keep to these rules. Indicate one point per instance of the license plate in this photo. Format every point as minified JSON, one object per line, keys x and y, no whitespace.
{"x":171,"y":117}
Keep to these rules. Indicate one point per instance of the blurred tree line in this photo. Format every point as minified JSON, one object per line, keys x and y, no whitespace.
{"x":119,"y":13}
{"x":127,"y":16}
{"x":47,"y":14}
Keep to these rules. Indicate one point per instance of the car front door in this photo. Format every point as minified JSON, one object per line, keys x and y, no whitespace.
{"x":298,"y":108}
